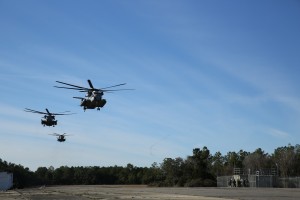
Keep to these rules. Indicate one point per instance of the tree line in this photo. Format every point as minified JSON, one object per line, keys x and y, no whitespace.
{"x":199,"y":169}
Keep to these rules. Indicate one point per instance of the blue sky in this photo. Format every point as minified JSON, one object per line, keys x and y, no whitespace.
{"x":221,"y":74}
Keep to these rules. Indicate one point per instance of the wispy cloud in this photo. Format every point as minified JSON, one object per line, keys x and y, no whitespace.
{"x":279,"y":133}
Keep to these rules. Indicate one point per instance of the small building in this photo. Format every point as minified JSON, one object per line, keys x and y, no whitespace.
{"x":6,"y":180}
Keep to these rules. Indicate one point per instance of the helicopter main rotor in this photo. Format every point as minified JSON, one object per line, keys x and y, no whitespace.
{"x":56,"y":134}
{"x":93,"y":98}
{"x":84,"y":89}
{"x":47,"y":112}
{"x":60,"y":137}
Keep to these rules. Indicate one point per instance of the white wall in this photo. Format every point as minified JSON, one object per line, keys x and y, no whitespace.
{"x":6,"y":180}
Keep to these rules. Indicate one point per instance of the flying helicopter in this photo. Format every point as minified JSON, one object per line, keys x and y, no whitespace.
{"x":93,"y":98}
{"x":49,"y":118}
{"x":60,"y":137}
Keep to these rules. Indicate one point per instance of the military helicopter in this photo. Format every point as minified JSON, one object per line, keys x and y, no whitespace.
{"x":60,"y":137}
{"x":49,"y":118}
{"x":93,"y":98}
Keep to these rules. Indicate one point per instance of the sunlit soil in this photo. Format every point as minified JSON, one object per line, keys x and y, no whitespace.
{"x":149,"y":193}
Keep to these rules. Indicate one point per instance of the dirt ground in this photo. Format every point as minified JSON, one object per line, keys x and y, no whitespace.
{"x":149,"y":193}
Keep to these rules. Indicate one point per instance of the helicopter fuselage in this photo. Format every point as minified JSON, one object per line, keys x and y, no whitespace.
{"x":48,"y":121}
{"x":93,"y":100}
{"x":92,"y":103}
{"x":61,"y":138}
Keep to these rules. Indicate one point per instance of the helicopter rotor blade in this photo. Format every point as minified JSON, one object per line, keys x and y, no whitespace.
{"x":111,"y":90}
{"x":78,"y":98}
{"x":116,"y":90}
{"x":48,"y":112}
{"x":63,"y":113}
{"x":67,"y":111}
{"x":69,"y":88}
{"x":113,"y":86}
{"x":90,"y":83}
{"x":54,"y":134}
{"x":71,"y":85}
{"x":34,"y":111}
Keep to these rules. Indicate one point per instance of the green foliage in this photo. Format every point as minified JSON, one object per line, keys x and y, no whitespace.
{"x":22,"y":177}
{"x":287,"y":159}
{"x":198,"y":170}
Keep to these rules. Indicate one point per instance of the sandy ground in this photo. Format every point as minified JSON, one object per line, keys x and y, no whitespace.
{"x":149,"y":193}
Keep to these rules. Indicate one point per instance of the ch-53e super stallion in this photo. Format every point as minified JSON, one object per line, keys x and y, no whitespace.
{"x":60,"y":137}
{"x":49,"y":118}
{"x":93,"y":98}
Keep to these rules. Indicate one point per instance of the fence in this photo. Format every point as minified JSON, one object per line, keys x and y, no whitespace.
{"x":259,"y":181}
{"x":257,"y":178}
{"x":223,"y":181}
{"x":290,"y":182}
{"x":262,"y":181}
